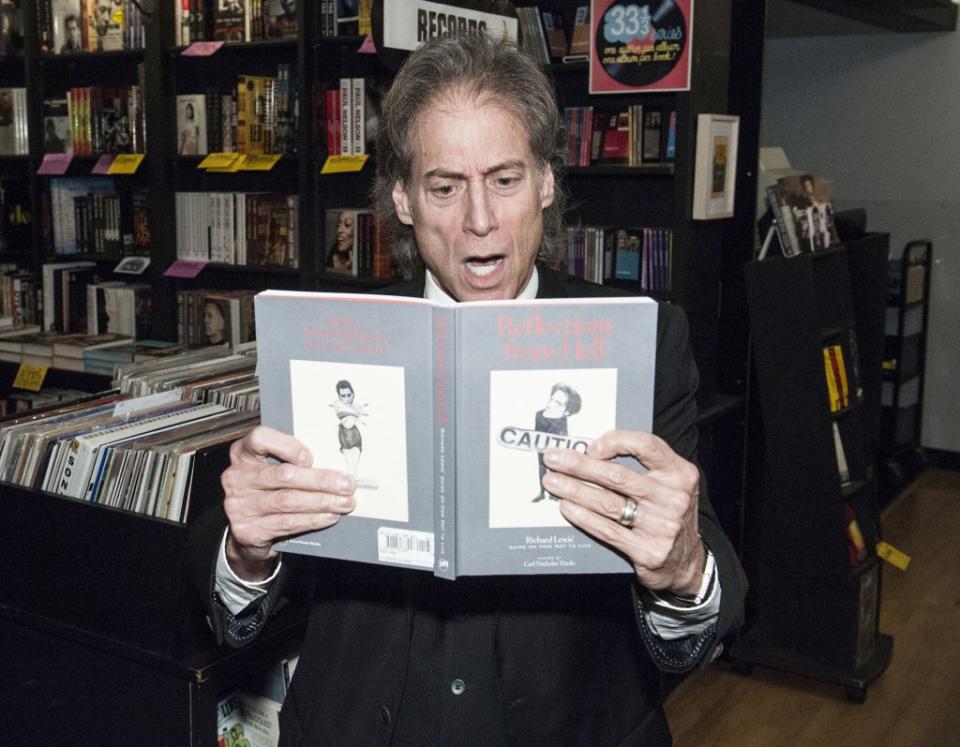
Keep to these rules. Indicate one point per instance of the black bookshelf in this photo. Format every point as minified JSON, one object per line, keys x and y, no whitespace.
{"x":815,"y":595}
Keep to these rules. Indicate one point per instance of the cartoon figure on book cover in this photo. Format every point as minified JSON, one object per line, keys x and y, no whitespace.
{"x":552,"y":419}
{"x":367,"y":437}
{"x":349,"y":415}
{"x":581,"y":405}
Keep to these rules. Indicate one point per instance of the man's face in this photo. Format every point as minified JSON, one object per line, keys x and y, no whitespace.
{"x":475,"y":198}
{"x":73,"y":32}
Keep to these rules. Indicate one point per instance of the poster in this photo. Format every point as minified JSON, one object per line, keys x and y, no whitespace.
{"x":637,"y":46}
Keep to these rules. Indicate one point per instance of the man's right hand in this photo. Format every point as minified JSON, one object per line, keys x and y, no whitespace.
{"x":266,"y":500}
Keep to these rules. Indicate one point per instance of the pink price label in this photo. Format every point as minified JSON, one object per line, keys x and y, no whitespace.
{"x":185,"y":268}
{"x":202,"y":49}
{"x":55,"y":163}
{"x":102,"y":165}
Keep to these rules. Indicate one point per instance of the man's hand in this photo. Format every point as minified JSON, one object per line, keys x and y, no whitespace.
{"x":663,"y":541}
{"x":265,"y":501}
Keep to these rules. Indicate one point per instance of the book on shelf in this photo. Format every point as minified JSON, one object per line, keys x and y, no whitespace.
{"x":231,"y":21}
{"x":114,"y":306}
{"x":56,"y":126}
{"x":652,"y":148}
{"x":191,"y":124}
{"x":279,"y":19}
{"x":18,"y":299}
{"x":808,"y":199}
{"x":208,"y":317}
{"x":16,"y":216}
{"x":838,"y":389}
{"x":13,"y":122}
{"x":783,"y":221}
{"x":11,"y":27}
{"x":67,"y":26}
{"x":65,"y":295}
{"x":579,"y":50}
{"x":69,"y":351}
{"x":105,"y":20}
{"x":441,"y":414}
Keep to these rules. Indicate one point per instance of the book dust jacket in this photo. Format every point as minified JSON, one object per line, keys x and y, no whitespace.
{"x":442,"y":414}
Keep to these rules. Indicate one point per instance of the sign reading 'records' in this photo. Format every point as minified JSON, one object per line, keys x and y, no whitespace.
{"x":538,"y":441}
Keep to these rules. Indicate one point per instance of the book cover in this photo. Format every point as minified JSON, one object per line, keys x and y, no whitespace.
{"x":808,"y":198}
{"x":279,"y":19}
{"x":106,"y":22}
{"x":67,"y":26}
{"x":342,"y":239}
{"x":191,"y":124}
{"x":580,"y":36}
{"x":56,"y":126}
{"x":441,"y":413}
{"x":784,"y":223}
{"x":11,"y":27}
{"x":229,"y":21}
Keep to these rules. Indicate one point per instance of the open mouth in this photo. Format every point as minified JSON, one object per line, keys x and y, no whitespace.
{"x":485,"y":266}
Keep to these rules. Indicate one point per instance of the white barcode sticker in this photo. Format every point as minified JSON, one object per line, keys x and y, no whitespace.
{"x":405,"y":546}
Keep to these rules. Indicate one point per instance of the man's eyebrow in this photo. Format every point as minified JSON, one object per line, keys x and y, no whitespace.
{"x":442,"y":173}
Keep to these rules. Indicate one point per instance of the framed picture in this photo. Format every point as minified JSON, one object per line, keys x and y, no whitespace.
{"x":715,"y":178}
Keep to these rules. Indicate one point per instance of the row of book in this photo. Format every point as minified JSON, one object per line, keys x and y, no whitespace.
{"x":76,"y":26}
{"x":345,"y":17}
{"x":91,"y":215}
{"x":14,"y":131}
{"x":642,"y":255}
{"x":257,"y":116}
{"x":95,"y":119}
{"x":136,"y":452}
{"x":18,"y":297}
{"x":637,"y":135}
{"x":346,"y":115}
{"x":212,"y":317}
{"x":234,"y":20}
{"x":551,"y":37}
{"x":802,"y":215}
{"x":256,"y":229}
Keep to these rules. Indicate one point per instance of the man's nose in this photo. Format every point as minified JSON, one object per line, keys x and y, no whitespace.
{"x":480,"y":218}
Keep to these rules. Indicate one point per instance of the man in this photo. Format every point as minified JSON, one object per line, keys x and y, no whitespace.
{"x":72,"y":37}
{"x":467,"y":153}
{"x":564,"y":401}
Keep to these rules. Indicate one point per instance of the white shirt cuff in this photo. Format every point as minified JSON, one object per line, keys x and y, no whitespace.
{"x":671,"y":619}
{"x":234,"y":592}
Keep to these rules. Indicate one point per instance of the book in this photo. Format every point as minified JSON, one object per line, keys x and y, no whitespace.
{"x":230,"y":20}
{"x":342,"y":239}
{"x":580,"y":36}
{"x":56,"y":126}
{"x":11,"y":27}
{"x":836,"y":372}
{"x":279,"y":19}
{"x":106,"y":24}
{"x":191,"y":124}
{"x":442,"y":412}
{"x":808,"y":198}
{"x":13,"y":122}
{"x":783,"y":221}
{"x":67,"y":22}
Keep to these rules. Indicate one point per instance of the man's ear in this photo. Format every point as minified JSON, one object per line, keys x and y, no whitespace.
{"x":546,"y":187}
{"x":401,"y":203}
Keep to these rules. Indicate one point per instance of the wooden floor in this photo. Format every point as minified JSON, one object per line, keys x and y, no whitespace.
{"x":916,"y":701}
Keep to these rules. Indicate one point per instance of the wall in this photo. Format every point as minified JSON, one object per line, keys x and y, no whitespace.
{"x":879,"y":116}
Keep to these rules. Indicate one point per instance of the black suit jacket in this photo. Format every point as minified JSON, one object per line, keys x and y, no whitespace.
{"x":558,"y":659}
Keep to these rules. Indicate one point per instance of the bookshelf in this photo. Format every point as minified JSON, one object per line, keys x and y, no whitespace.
{"x":815,"y":588}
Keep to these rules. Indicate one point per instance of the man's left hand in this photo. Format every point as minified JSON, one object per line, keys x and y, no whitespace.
{"x":662,"y":541}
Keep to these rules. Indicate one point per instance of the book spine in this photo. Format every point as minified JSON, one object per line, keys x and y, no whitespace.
{"x":445,"y":456}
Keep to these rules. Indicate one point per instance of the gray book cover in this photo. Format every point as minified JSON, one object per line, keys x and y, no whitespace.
{"x":441,"y":413}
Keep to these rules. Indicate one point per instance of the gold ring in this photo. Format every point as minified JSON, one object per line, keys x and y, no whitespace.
{"x":628,"y":513}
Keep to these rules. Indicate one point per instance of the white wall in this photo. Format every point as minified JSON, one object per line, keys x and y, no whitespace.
{"x":879,"y":116}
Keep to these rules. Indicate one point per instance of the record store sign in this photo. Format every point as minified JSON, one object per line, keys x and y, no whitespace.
{"x":640,"y":46}
{"x":409,"y":23}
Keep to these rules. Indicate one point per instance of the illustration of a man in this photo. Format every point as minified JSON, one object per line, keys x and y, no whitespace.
{"x":349,"y":415}
{"x":564,"y":401}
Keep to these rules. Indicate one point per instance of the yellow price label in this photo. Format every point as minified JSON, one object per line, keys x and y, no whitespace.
{"x":125,"y":163}
{"x":30,"y":376}
{"x":343,"y":164}
{"x":233,"y":168}
{"x":260,"y":163}
{"x":893,"y":556}
{"x":219,"y":161}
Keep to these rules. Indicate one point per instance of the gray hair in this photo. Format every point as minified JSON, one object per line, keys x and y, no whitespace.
{"x":480,"y":66}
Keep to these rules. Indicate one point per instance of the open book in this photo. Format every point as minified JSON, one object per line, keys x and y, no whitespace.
{"x":441,"y":413}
